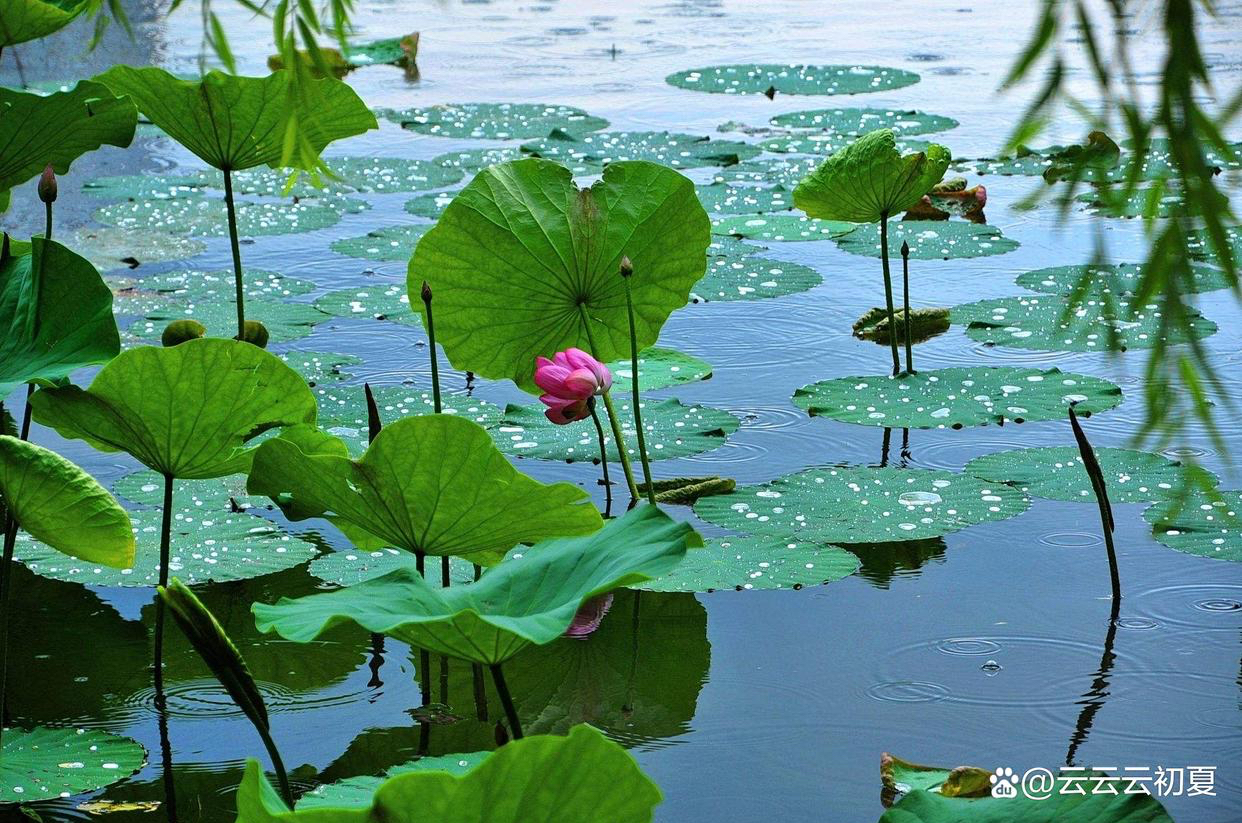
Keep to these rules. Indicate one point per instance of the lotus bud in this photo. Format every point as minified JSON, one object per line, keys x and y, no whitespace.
{"x":426,"y":292}
{"x":179,"y":331}
{"x":501,"y":734}
{"x":905,"y":249}
{"x":627,"y":268}
{"x":256,"y":334}
{"x":47,"y":185}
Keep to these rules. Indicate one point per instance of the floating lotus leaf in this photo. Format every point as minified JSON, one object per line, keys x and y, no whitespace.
{"x":25,"y":20}
{"x":356,"y":792}
{"x":141,"y":402}
{"x":542,"y":779}
{"x":1199,"y":523}
{"x":522,"y":257}
{"x":659,"y":368}
{"x":787,"y":171}
{"x":721,"y":198}
{"x":1057,"y":473}
{"x":1107,"y":324}
{"x":343,"y":410}
{"x":153,"y":186}
{"x":1149,"y":201}
{"x":432,"y":483}
{"x":430,"y":205}
{"x":924,"y":324}
{"x":204,"y":217}
{"x":391,"y":51}
{"x":234,"y":122}
{"x":952,"y":398}
{"x":390,"y":243}
{"x":496,"y":121}
{"x":856,"y":122}
{"x":744,"y":563}
{"x":111,"y":248}
{"x":863,"y":505}
{"x":673,"y":429}
{"x":351,"y":566}
{"x":822,"y":143}
{"x":47,"y":764}
{"x":1110,"y":804}
{"x":219,"y":285}
{"x":901,"y":776}
{"x":473,"y":160}
{"x":780,"y":227}
{"x":55,"y":316}
{"x":792,"y":79}
{"x":320,"y":367}
{"x":214,"y":496}
{"x":929,"y":240}
{"x":1201,"y":249}
{"x":531,"y":598}
{"x":726,"y":245}
{"x":56,"y":129}
{"x":283,"y":321}
{"x":58,"y":503}
{"x":753,"y":278}
{"x":675,"y":149}
{"x":1117,"y":279}
{"x":381,"y":301}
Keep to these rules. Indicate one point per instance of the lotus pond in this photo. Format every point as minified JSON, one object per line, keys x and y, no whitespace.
{"x":872,"y":539}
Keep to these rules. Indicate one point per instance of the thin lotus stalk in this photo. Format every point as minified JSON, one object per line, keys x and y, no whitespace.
{"x":888,"y":293}
{"x":506,"y":700}
{"x":905,"y":289}
{"x":424,"y":656}
{"x":613,"y":420}
{"x":603,"y":456}
{"x":165,"y":546}
{"x":444,"y":661}
{"x":166,"y":762}
{"x":476,"y":671}
{"x":25,"y":433}
{"x":238,"y":277}
{"x":47,"y":193}
{"x":627,"y":271}
{"x":1092,"y":465}
{"x":6,"y":565}
{"x":431,"y":345}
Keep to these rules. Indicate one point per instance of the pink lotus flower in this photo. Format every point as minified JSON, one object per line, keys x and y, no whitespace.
{"x":590,"y":614}
{"x":569,"y":381}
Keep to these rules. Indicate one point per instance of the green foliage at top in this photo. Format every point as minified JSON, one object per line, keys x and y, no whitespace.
{"x":531,"y":598}
{"x":24,"y":20}
{"x":870,"y":179}
{"x":234,"y":122}
{"x":37,"y":130}
{"x":434,"y":484}
{"x":524,"y":263}
{"x":63,"y":506}
{"x":55,"y":316}
{"x":543,"y":779}
{"x":186,"y":411}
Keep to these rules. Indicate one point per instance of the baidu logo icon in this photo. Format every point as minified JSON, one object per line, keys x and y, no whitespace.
{"x":1004,"y":783}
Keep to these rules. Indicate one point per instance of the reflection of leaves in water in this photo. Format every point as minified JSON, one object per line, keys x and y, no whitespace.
{"x":881,"y":562}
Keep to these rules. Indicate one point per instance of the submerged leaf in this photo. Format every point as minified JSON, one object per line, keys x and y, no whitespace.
{"x":924,"y":324}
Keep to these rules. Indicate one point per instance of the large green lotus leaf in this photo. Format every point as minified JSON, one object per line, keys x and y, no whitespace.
{"x":25,"y":20}
{"x":380,"y":301}
{"x":207,"y":217}
{"x":745,"y":563}
{"x":929,"y":240}
{"x":863,"y":505}
{"x":234,"y":122}
{"x":473,"y":160}
{"x":343,"y":410}
{"x":1110,"y":805}
{"x":1116,"y":279}
{"x":675,"y":149}
{"x":750,"y":78}
{"x":1201,"y":522}
{"x":787,"y":171}
{"x":38,"y":130}
{"x":283,"y":321}
{"x":496,"y":121}
{"x":956,"y":397}
{"x":856,"y":121}
{"x":747,"y":277}
{"x":389,"y":243}
{"x":673,"y":429}
{"x":430,"y":204}
{"x":870,"y":179}
{"x":780,"y":227}
{"x":658,"y":368}
{"x":47,"y":764}
{"x":110,"y":248}
{"x":531,"y":598}
{"x":822,"y":143}
{"x":55,"y":316}
{"x":432,"y":483}
{"x":722,"y":198}
{"x":58,"y":503}
{"x":356,"y":792}
{"x":541,"y":779}
{"x":351,"y":566}
{"x":1057,"y":473}
{"x":522,"y":257}
{"x":185,"y":411}
{"x":1095,"y":324}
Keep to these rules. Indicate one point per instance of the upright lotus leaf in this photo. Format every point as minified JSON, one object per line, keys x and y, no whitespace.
{"x":187,"y":411}
{"x":25,"y":20}
{"x":234,"y":122}
{"x":433,"y":484}
{"x":63,"y":506}
{"x":523,"y":263}
{"x":530,"y":598}
{"x":543,"y":779}
{"x":55,"y":316}
{"x":1080,"y":804}
{"x":37,"y":130}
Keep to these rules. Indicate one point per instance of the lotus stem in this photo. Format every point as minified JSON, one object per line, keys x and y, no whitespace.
{"x":905,"y":283}
{"x":888,"y":293}
{"x":25,"y":433}
{"x":603,"y":456}
{"x":277,"y":764}
{"x":627,"y":271}
{"x":444,"y":661}
{"x":613,"y":420}
{"x":502,"y":688}
{"x":431,"y":345}
{"x":47,"y":232}
{"x":374,"y":423}
{"x":165,"y":545}
{"x":166,"y":764}
{"x":424,"y":656}
{"x":6,"y":564}
{"x":238,"y":278}
{"x":1092,"y":465}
